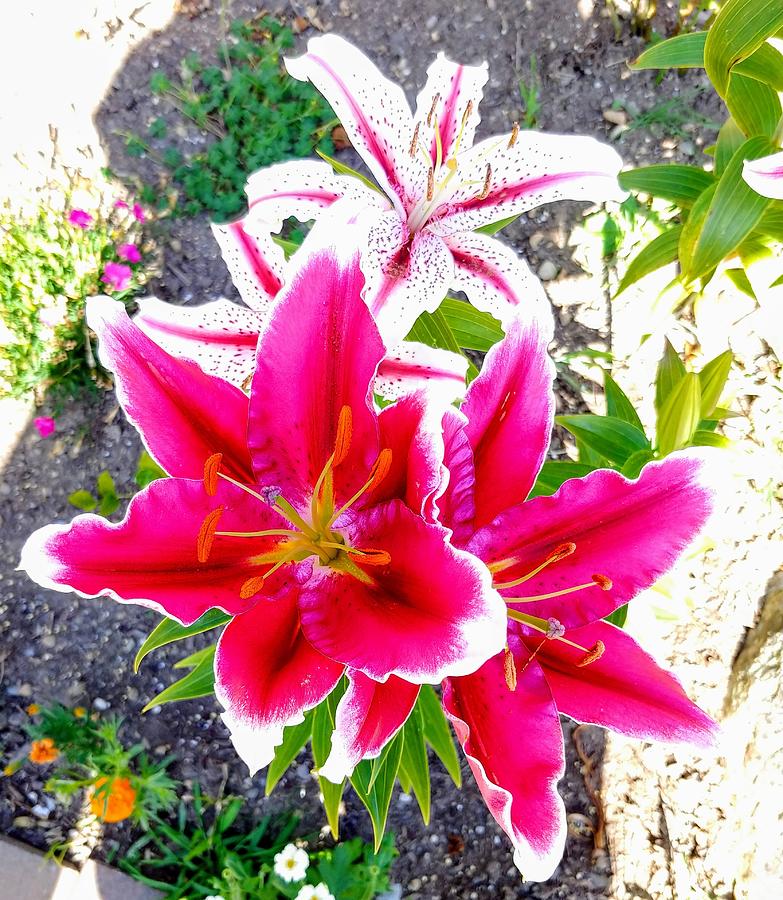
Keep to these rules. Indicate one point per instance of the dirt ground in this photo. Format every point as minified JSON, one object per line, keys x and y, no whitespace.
{"x":56,"y":647}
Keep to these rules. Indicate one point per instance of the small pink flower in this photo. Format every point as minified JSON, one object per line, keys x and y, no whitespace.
{"x":116,"y":275}
{"x":129,"y":252}
{"x":79,"y":218}
{"x":138,"y":213}
{"x":120,"y":204}
{"x":44,"y":425}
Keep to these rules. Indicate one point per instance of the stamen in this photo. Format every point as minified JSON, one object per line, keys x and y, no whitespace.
{"x":255,"y":534}
{"x":466,"y":114}
{"x":244,"y":487}
{"x":414,"y":141}
{"x":556,"y":628}
{"x":430,"y":184}
{"x":570,"y":590}
{"x":510,"y":669}
{"x":514,"y":135}
{"x":342,"y":442}
{"x":211,"y":467}
{"x":533,"y":655}
{"x":380,"y":469}
{"x":484,"y":193}
{"x":431,"y":113}
{"x":592,"y":655}
{"x":370,"y":557}
{"x":251,"y":586}
{"x":603,"y":582}
{"x":206,"y":534}
{"x":560,"y":552}
{"x":270,"y":493}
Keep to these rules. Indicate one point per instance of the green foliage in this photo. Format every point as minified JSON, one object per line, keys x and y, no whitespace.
{"x":48,"y":268}
{"x":530,"y":92}
{"x":204,"y":855}
{"x":107,"y":501}
{"x":253,"y":111}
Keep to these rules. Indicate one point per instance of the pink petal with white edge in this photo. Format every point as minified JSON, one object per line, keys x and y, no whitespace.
{"x":765,"y":175}
{"x":220,"y":336}
{"x":318,"y":354}
{"x":510,"y":409}
{"x":406,"y":275}
{"x":302,"y":189}
{"x":150,"y":557}
{"x":494,"y":278}
{"x":459,"y":90}
{"x":457,"y":503}
{"x":539,"y":168}
{"x":254,"y":261}
{"x":514,"y":746}
{"x":630,"y":532}
{"x":625,"y":689}
{"x":182,"y":414}
{"x":411,"y":366}
{"x":368,"y":716}
{"x":428,"y":613}
{"x":267,"y":676}
{"x":372,"y":109}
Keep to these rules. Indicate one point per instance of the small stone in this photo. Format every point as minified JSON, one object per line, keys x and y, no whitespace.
{"x":100,"y":704}
{"x":414,"y":884}
{"x":48,"y":641}
{"x":40,"y":811}
{"x":547,"y":270}
{"x":616,"y":116}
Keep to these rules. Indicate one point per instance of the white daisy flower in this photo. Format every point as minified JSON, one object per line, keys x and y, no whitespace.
{"x":315,"y":892}
{"x":291,"y":863}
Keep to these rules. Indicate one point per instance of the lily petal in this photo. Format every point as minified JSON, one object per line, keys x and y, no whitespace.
{"x":494,"y":278}
{"x":428,"y":613}
{"x":765,"y":175}
{"x":372,"y":109}
{"x":406,"y":275}
{"x":368,"y":716}
{"x":510,"y":409}
{"x":625,"y":689}
{"x":410,"y":366}
{"x":254,"y":261}
{"x":454,"y":114}
{"x":457,"y":503}
{"x":150,"y":557}
{"x":514,"y":746}
{"x":300,"y":188}
{"x":267,"y":676}
{"x":182,"y":414}
{"x":538,"y":168}
{"x":220,"y":336}
{"x":629,"y":532}
{"x":318,"y":354}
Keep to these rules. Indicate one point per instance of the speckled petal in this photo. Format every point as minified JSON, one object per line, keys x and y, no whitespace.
{"x":765,"y":175}
{"x":254,"y":261}
{"x":411,"y":366}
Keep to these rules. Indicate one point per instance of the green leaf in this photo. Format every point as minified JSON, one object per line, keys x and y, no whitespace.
{"x":554,"y":473}
{"x":147,"y":470}
{"x":83,"y":500}
{"x":679,"y":415}
{"x":108,"y":494}
{"x":168,"y":630}
{"x":437,"y":732}
{"x":659,"y":252}
{"x":619,"y":616}
{"x":613,"y":438}
{"x":472,"y":328}
{"x":342,"y":169}
{"x":712,"y":380}
{"x":374,"y":783}
{"x":684,"y":51}
{"x":738,"y":31}
{"x":294,"y":738}
{"x":723,"y":216}
{"x":636,"y":462}
{"x":618,"y":405}
{"x":678,"y":184}
{"x":323,"y":725}
{"x":766,"y":65}
{"x":414,"y":763}
{"x":670,"y":370}
{"x":199,"y":682}
{"x":702,"y":438}
{"x":754,"y":106}
{"x":730,"y":139}
{"x":771,"y":222}
{"x":495,"y":227}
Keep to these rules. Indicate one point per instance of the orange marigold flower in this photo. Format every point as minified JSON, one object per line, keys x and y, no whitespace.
{"x":33,"y":709}
{"x":114,"y":804}
{"x":79,"y":711}
{"x":43,"y":751}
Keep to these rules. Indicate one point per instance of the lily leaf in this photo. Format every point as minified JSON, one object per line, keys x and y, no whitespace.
{"x":437,"y":732}
{"x":670,"y":370}
{"x":554,"y":473}
{"x":684,"y":51}
{"x":323,"y":725}
{"x":618,"y":404}
{"x":712,"y":379}
{"x":679,"y":416}
{"x":374,"y":783}
{"x":342,"y":169}
{"x":613,"y":438}
{"x":414,"y":764}
{"x":169,"y":630}
{"x":199,"y":682}
{"x":472,"y":328}
{"x":678,"y":184}
{"x":294,"y":738}
{"x":495,"y":227}
{"x":753,"y":105}
{"x":659,"y":252}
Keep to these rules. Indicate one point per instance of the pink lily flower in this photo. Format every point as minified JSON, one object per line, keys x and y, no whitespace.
{"x":129,"y":252}
{"x":436,"y":187}
{"x":80,"y":218}
{"x":765,"y":175}
{"x":300,"y":511}
{"x":117,"y":276}
{"x":222,"y":336}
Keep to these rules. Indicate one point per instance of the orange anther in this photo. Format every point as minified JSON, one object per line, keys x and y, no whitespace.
{"x":211,"y":468}
{"x":431,"y":113}
{"x":561,"y":551}
{"x":602,"y":581}
{"x":414,"y":140}
{"x":430,"y":184}
{"x":251,"y":586}
{"x":342,"y":442}
{"x":514,"y":135}
{"x":468,"y":111}
{"x":592,"y":655}
{"x":509,"y":670}
{"x":380,"y":468}
{"x":372,"y":557}
{"x":206,"y":534}
{"x":487,"y":181}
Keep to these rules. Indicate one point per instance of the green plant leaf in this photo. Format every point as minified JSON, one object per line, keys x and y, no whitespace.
{"x":766,"y":65}
{"x":753,"y":105}
{"x":681,"y":185}
{"x":723,"y":216}
{"x":147,"y":470}
{"x":109,"y":501}
{"x":684,"y":51}
{"x":294,"y":738}
{"x":472,"y":328}
{"x":437,"y":732}
{"x":374,"y":783}
{"x":414,"y":764}
{"x":342,"y":169}
{"x":730,"y":139}
{"x":636,"y":462}
{"x":661,"y":251}
{"x":83,"y":500}
{"x":554,"y":473}
{"x":168,"y":630}
{"x":669,"y":372}
{"x":619,"y":616}
{"x":199,"y":682}
{"x":712,"y":379}
{"x":613,"y":438}
{"x":618,"y":404}
{"x":323,"y":725}
{"x":679,"y":416}
{"x":702,"y":438}
{"x":495,"y":227}
{"x":738,"y":31}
